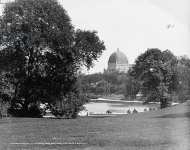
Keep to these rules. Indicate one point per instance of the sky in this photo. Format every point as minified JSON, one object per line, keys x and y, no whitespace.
{"x":133,"y":25}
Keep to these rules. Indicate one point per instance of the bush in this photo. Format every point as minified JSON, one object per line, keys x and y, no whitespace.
{"x":153,"y":96}
{"x":69,"y":106}
{"x":33,"y":110}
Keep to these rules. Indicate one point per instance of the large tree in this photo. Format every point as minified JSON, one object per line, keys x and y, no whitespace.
{"x":157,"y":74}
{"x":183,"y":70}
{"x":41,"y":53}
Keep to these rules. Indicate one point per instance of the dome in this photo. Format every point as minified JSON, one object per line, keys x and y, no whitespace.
{"x":118,"y":57}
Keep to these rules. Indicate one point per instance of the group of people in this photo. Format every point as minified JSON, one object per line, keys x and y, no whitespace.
{"x":128,"y":111}
{"x":134,"y":111}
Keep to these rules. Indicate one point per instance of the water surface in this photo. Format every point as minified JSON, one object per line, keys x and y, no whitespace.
{"x":101,"y":107}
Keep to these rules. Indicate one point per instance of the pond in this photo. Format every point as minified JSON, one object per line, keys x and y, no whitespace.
{"x":115,"y":107}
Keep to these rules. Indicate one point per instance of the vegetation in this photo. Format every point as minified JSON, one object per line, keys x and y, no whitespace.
{"x":159,"y":75}
{"x":103,"y":84}
{"x":183,"y":71}
{"x":132,"y":88}
{"x":41,"y":54}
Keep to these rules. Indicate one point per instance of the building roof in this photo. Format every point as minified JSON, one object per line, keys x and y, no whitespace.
{"x":118,"y":57}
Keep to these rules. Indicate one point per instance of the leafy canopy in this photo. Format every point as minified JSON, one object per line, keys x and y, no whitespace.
{"x":41,"y":52}
{"x":156,"y":72}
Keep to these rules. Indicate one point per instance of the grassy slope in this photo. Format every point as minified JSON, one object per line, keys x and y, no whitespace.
{"x":167,"y":129}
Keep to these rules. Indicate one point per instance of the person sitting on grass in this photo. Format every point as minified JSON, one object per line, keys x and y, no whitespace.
{"x":129,"y":111}
{"x":108,"y":112}
{"x":145,"y":110}
{"x":153,"y":108}
{"x":135,"y":111}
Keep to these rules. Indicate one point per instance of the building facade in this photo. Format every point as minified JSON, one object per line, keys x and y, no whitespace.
{"x":118,"y":62}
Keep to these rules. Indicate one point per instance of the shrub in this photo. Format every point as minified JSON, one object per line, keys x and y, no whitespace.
{"x":69,"y":106}
{"x":33,"y":110}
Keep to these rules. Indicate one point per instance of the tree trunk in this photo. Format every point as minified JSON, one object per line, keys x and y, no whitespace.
{"x":164,"y":102}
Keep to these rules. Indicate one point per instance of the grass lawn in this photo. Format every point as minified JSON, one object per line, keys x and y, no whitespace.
{"x":167,"y":129}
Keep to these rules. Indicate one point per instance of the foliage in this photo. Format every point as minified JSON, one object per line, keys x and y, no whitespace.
{"x":41,"y":52}
{"x":183,"y":71}
{"x":105,"y":83}
{"x":5,"y":95}
{"x":69,"y":106}
{"x":132,"y":88}
{"x":33,"y":110}
{"x":88,"y":47}
{"x":156,"y":72}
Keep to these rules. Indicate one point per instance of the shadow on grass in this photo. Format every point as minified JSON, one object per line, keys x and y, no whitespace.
{"x":179,"y":115}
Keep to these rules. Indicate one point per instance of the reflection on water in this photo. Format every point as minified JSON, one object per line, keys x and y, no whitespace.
{"x":115,"y":108}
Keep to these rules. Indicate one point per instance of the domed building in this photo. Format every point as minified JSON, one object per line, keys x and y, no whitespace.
{"x":118,"y":62}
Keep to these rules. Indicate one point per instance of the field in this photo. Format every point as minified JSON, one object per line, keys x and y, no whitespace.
{"x":167,"y":129}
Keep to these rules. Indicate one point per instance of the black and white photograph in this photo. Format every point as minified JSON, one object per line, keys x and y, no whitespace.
{"x":94,"y":74}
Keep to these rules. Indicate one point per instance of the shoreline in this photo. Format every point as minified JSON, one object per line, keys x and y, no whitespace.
{"x":123,"y":101}
{"x":114,"y":100}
